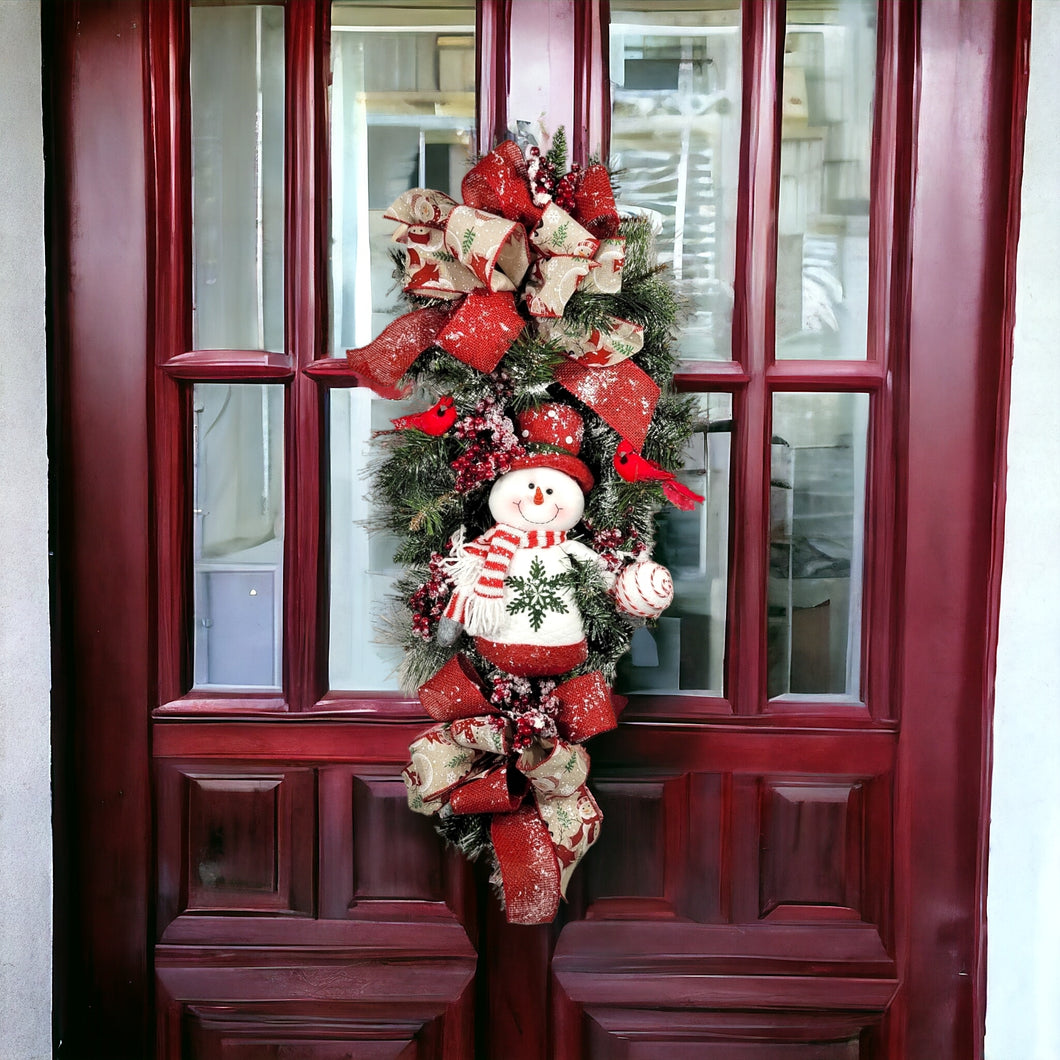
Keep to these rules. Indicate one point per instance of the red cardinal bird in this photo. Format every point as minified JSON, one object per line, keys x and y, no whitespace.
{"x":633,"y":467}
{"x":435,"y":421}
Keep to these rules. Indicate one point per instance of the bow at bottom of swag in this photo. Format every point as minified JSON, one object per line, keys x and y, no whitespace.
{"x":543,"y":818}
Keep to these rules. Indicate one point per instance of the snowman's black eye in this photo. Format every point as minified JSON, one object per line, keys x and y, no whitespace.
{"x":549,"y":492}
{"x":529,"y":485}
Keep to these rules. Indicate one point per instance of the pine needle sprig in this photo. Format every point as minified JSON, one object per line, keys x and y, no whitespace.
{"x":557,"y":152}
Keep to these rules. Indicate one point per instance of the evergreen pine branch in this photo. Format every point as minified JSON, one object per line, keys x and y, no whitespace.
{"x":557,"y":152}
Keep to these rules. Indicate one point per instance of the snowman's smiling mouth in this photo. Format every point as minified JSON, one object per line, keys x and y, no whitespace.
{"x":536,"y":522}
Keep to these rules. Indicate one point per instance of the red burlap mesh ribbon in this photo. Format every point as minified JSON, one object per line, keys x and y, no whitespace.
{"x":497,"y":183}
{"x":594,"y":203}
{"x":622,"y":395}
{"x":388,"y":357}
{"x":530,"y":871}
{"x":481,"y":329}
{"x":543,"y":817}
{"x":478,"y":331}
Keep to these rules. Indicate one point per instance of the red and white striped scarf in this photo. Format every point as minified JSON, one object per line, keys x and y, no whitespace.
{"x":496,"y":548}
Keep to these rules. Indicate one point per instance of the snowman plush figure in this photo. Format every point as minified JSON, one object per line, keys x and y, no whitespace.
{"x":511,"y":591}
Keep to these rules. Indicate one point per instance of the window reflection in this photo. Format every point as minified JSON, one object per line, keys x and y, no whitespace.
{"x":238,"y":534}
{"x":402,"y":116}
{"x":675,"y":138}
{"x":817,"y":537}
{"x":237,"y":144}
{"x":825,"y":156}
{"x":362,"y":561}
{"x":684,"y":652}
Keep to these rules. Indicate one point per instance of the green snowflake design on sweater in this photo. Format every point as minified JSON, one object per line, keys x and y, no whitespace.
{"x":536,"y":594}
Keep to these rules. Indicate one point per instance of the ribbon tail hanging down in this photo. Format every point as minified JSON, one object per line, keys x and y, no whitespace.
{"x":388,"y":357}
{"x":529,"y":869}
{"x":622,"y":395}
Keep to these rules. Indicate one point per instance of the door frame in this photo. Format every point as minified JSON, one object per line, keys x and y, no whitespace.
{"x":971,"y":88}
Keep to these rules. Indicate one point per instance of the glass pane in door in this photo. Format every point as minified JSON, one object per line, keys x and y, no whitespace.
{"x":817,"y":543}
{"x":364,"y":606}
{"x":675,"y":148}
{"x":237,"y":488}
{"x":402,"y":116}
{"x":825,"y":157}
{"x":683,"y":652}
{"x":237,"y":176}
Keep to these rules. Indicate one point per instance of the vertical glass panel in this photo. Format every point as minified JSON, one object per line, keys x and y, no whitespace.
{"x":684,"y":652}
{"x":675,"y":146}
{"x":402,"y":116}
{"x":238,"y":534}
{"x":237,"y":205}
{"x":817,"y":542}
{"x":825,"y":157}
{"x":362,"y":562}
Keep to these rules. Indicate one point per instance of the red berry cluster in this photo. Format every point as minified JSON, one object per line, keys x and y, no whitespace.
{"x":565,"y":189}
{"x":493,"y":446}
{"x":531,"y":705}
{"x":611,"y":544}
{"x":428,"y":602}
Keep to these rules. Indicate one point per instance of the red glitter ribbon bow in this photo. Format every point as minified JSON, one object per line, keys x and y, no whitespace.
{"x":477,"y":254}
{"x":543,"y":817}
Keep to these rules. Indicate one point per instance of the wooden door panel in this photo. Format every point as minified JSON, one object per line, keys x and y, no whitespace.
{"x":637,"y":1034}
{"x":259,"y":838}
{"x":226,"y":1039}
{"x":811,"y":836}
{"x":321,"y":1003}
{"x":234,"y":838}
{"x":378,"y":860}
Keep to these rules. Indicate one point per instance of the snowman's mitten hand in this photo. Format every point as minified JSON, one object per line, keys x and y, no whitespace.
{"x":449,"y":631}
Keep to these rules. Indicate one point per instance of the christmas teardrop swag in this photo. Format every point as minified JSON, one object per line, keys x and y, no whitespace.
{"x":524,"y":496}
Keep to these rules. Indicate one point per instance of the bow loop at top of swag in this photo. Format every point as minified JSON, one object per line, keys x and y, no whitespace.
{"x":543,"y":818}
{"x":496,"y":247}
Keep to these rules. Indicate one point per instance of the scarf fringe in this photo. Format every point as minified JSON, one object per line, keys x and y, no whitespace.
{"x":484,"y":617}
{"x":464,"y":566}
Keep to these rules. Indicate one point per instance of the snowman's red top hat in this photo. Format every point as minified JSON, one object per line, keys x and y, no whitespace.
{"x":553,"y":434}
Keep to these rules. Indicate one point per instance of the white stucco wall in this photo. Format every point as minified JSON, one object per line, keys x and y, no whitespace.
{"x":1023,"y":900}
{"x":25,"y":771}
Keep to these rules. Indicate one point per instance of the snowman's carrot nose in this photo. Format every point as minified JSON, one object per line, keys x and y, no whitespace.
{"x":539,"y":497}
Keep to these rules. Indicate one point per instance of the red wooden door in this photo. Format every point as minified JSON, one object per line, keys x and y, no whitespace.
{"x":791,"y":863}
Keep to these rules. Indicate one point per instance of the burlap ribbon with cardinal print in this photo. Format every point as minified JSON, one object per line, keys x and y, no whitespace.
{"x":496,"y":252}
{"x":543,"y":817}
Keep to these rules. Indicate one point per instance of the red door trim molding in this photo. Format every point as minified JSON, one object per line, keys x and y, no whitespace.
{"x":972,"y":92}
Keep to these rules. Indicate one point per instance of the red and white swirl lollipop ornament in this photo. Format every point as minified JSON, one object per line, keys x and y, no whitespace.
{"x":644,"y":589}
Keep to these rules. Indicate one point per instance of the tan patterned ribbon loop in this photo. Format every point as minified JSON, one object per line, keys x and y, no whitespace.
{"x":493,"y":248}
{"x":559,"y":233}
{"x":552,"y":281}
{"x":611,"y":260}
{"x":595,"y":347}
{"x":430,"y":268}
{"x":556,"y":769}
{"x":421,"y":206}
